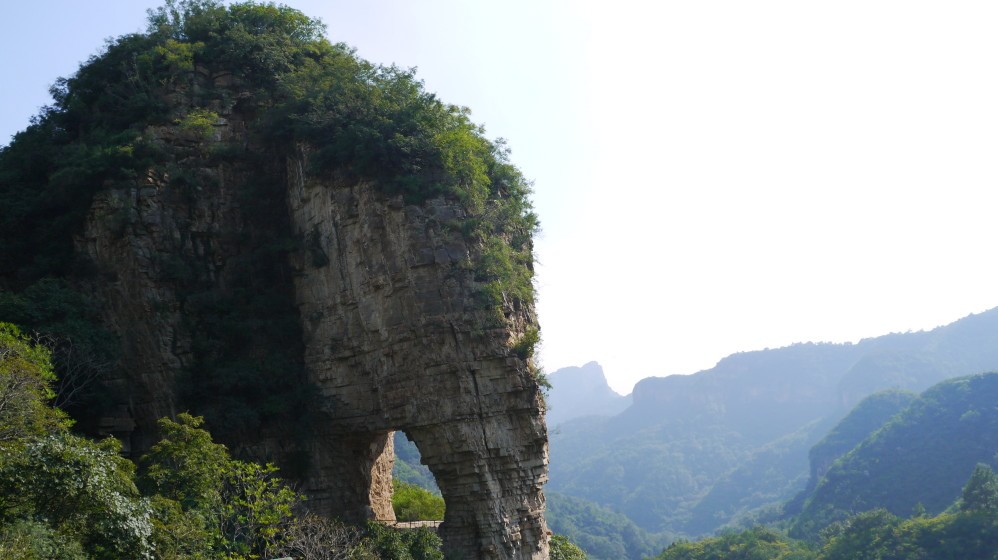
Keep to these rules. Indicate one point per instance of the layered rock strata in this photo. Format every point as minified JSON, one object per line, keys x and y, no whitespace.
{"x":395,"y":338}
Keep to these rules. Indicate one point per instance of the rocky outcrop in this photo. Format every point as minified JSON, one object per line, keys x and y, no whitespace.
{"x":394,"y":338}
{"x":582,"y":391}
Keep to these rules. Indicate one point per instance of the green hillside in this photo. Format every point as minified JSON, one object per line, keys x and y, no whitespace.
{"x":600,"y":532}
{"x":968,"y":530}
{"x":868,"y":416}
{"x":750,"y":490}
{"x":698,"y":452}
{"x":919,"y":458}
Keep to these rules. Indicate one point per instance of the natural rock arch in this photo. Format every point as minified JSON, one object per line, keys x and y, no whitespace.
{"x":394,"y":337}
{"x":393,"y":340}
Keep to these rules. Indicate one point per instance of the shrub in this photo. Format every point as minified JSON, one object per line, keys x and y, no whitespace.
{"x":414,"y":503}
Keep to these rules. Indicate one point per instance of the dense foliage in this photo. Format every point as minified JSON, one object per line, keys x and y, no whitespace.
{"x":563,"y":549}
{"x":415,"y":503}
{"x":602,"y":533}
{"x":26,"y":380}
{"x":66,"y":497}
{"x":867,"y":417}
{"x":969,"y":530}
{"x":873,"y":535}
{"x":758,"y":543}
{"x":60,"y":495}
{"x":392,"y":544}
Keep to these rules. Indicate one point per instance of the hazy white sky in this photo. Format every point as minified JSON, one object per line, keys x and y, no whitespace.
{"x":711,"y":176}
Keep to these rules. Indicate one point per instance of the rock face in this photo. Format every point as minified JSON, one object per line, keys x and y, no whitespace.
{"x":393,"y":339}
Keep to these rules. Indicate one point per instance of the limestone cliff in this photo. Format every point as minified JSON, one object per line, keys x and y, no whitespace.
{"x":394,"y":337}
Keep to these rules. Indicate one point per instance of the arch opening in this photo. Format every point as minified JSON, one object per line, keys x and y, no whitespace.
{"x":417,"y":500}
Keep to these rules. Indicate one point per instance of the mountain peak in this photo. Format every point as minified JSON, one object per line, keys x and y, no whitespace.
{"x":582,"y":391}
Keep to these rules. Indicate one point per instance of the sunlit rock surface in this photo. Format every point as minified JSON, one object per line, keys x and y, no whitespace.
{"x":393,"y":339}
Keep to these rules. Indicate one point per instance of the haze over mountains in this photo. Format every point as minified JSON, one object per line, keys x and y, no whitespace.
{"x":731,"y":444}
{"x":582,"y":391}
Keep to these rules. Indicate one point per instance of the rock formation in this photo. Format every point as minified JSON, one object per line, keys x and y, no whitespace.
{"x":394,"y":336}
{"x":577,"y":392}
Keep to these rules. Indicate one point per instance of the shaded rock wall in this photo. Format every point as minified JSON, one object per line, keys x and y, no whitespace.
{"x":395,"y":338}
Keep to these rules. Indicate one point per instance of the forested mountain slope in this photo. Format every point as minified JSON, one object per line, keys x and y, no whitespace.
{"x":868,"y":416}
{"x":919,"y":458}
{"x":693,"y":453}
{"x":601,"y":532}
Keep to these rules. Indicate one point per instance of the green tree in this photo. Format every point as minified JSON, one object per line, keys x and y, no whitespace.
{"x":26,"y":379}
{"x":414,"y":503}
{"x":865,"y":536}
{"x":981,"y":492}
{"x":395,"y":544}
{"x":758,"y":543}
{"x":564,"y":549}
{"x":257,"y":507}
{"x":181,"y":535}
{"x":82,"y":489}
{"x":204,"y":498}
{"x":185,"y":464}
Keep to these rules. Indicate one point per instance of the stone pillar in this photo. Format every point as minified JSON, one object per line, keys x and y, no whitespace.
{"x":489,"y":470}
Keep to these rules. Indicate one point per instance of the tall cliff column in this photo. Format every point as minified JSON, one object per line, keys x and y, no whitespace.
{"x":396,"y":338}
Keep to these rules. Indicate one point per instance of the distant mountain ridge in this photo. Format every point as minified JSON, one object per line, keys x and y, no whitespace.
{"x":582,"y":391}
{"x":693,"y":453}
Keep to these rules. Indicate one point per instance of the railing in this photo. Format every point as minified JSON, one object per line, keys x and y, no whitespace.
{"x":413,"y":524}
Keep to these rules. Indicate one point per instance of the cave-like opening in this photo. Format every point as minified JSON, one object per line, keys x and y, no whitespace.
{"x":417,"y":498}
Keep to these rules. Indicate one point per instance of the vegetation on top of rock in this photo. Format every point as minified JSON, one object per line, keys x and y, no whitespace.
{"x":200,"y":59}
